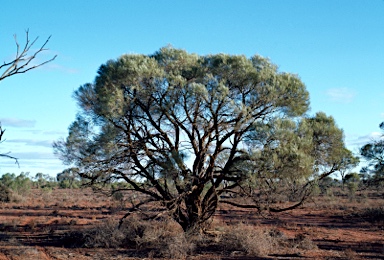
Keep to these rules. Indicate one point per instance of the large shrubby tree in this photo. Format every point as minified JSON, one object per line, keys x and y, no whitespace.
{"x":373,"y":153}
{"x":190,"y":131}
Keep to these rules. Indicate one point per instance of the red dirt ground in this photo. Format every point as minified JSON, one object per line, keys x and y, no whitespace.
{"x":34,"y":228}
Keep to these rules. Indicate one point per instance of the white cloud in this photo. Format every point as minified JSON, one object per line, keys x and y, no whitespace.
{"x":49,"y":166}
{"x":54,"y":132}
{"x":34,"y":156}
{"x":359,"y":141}
{"x":43,"y":132}
{"x":31,"y":142}
{"x":341,"y":95}
{"x":61,"y":68}
{"x":16,"y":122}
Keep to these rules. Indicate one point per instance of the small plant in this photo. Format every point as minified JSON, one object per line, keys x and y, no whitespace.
{"x":350,"y":254}
{"x":105,"y":235}
{"x":118,"y":196}
{"x":252,"y":240}
{"x":303,"y":242}
{"x":166,"y":239}
{"x":352,"y":180}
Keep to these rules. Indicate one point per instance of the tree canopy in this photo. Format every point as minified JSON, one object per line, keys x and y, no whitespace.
{"x":190,"y":131}
{"x":373,"y":152}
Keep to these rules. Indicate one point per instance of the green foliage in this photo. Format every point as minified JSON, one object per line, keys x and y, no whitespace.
{"x":44,"y":181}
{"x":326,"y":184}
{"x":352,"y":177}
{"x":69,"y":178}
{"x":373,"y":152}
{"x":12,"y":184}
{"x":352,"y":180}
{"x":5,"y":193}
{"x":183,"y":129}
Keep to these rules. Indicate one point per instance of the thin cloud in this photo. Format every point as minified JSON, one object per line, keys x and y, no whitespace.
{"x":61,"y":68}
{"x":34,"y":156}
{"x":31,"y":142}
{"x":341,"y":95}
{"x":51,"y":166}
{"x":359,"y":141}
{"x":54,"y":132}
{"x":16,"y":122}
{"x":41,"y":132}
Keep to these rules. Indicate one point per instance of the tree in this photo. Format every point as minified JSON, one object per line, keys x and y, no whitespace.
{"x":9,"y":183}
{"x":352,"y":180}
{"x":21,"y":63}
{"x":67,"y":178}
{"x":373,"y":152}
{"x":294,"y":158}
{"x":349,"y":162}
{"x":43,"y":180}
{"x":186,"y":131}
{"x":6,"y":155}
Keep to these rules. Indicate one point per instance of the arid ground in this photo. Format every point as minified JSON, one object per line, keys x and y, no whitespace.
{"x":50,"y":224}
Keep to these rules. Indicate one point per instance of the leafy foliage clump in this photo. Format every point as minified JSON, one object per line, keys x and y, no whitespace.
{"x":373,"y":152}
{"x":14,"y":187}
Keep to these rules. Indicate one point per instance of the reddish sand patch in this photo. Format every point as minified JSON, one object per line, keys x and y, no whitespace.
{"x":35,"y":228}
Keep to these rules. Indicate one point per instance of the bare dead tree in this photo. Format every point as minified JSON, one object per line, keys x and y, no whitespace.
{"x":6,"y":155}
{"x":23,"y":58}
{"x":21,"y":64}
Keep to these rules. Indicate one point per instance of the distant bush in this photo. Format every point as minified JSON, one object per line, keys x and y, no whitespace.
{"x":326,"y":184}
{"x":352,"y":180}
{"x":14,"y":187}
{"x":5,"y":193}
{"x":373,"y":215}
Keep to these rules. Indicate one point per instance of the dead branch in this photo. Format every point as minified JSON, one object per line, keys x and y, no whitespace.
{"x":6,"y":155}
{"x":22,"y":61}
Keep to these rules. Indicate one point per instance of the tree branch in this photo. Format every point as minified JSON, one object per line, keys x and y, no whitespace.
{"x":21,"y":63}
{"x":5,"y":154}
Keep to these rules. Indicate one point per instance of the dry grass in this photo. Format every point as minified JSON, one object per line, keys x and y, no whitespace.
{"x":261,"y":241}
{"x":162,"y":238}
{"x":255,"y":241}
{"x":350,"y":254}
{"x":166,"y":239}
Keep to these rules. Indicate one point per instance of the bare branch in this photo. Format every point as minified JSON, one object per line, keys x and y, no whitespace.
{"x":6,"y":155}
{"x":22,"y":61}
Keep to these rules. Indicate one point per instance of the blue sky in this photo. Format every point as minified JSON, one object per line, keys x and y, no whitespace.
{"x":335,"y":46}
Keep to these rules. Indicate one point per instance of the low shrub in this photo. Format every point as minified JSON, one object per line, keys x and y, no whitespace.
{"x":106,"y":235}
{"x":255,"y":241}
{"x":373,"y":215}
{"x":161,"y":238}
{"x":5,"y":193}
{"x":166,"y":239}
